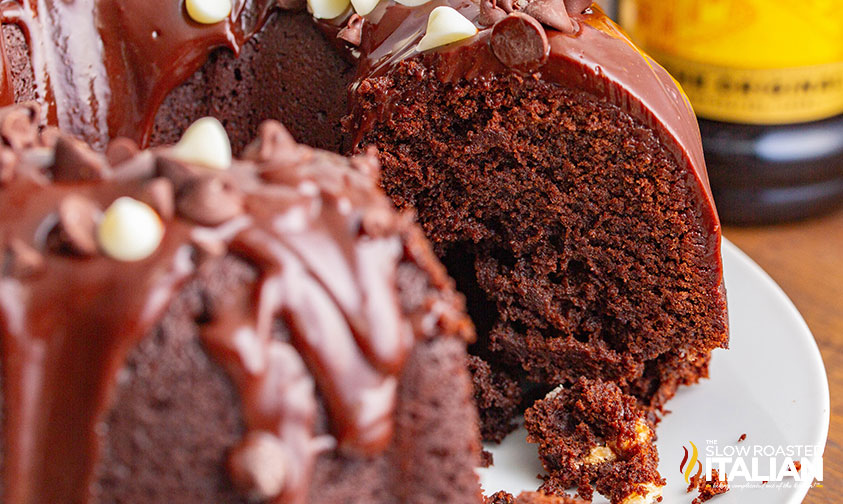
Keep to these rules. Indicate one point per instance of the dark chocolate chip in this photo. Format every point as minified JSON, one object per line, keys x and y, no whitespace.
{"x":159,"y":194}
{"x":207,"y":246}
{"x":74,"y":162}
{"x":210,"y":200}
{"x":353,"y":30}
{"x":180,"y":173}
{"x":273,"y":143}
{"x":77,"y":228}
{"x":19,"y":125}
{"x":551,"y":13}
{"x":21,"y":260}
{"x":120,"y":150}
{"x":490,"y":13}
{"x":519,"y":41}
{"x":50,"y":136}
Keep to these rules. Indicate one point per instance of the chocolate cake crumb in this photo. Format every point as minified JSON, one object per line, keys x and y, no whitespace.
{"x":531,"y":498}
{"x":593,"y":436}
{"x":487,"y":458}
{"x":708,"y":488}
{"x":497,"y":397}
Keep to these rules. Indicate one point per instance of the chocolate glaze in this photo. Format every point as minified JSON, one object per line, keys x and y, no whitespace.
{"x":102,"y":67}
{"x":597,"y":59}
{"x":326,"y":247}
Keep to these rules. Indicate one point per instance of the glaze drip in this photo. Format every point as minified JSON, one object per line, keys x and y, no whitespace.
{"x":103,"y":67}
{"x":326,"y":247}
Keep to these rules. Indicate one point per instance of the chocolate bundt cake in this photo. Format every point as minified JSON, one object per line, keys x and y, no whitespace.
{"x":559,"y":173}
{"x":180,"y":327}
{"x":145,"y":69}
{"x":557,"y":170}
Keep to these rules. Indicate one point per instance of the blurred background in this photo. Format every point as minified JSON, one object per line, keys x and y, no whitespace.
{"x":765,"y":78}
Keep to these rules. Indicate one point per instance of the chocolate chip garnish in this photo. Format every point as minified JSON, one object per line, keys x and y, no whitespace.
{"x":551,"y":13}
{"x":258,"y":466}
{"x":180,"y":173}
{"x":352,"y":32}
{"x":21,"y":260}
{"x":519,"y":41}
{"x":490,"y":13}
{"x":19,"y":125}
{"x":77,"y":228}
{"x":273,"y":142}
{"x":159,"y":193}
{"x":50,"y":136}
{"x":119,"y":150}
{"x":210,"y":200}
{"x":206,"y":246}
{"x":75,"y":162}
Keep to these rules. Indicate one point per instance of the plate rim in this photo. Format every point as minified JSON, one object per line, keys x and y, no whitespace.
{"x":817,"y":432}
{"x":824,"y":394}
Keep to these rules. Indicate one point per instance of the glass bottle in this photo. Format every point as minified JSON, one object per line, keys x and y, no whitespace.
{"x":766,"y":80}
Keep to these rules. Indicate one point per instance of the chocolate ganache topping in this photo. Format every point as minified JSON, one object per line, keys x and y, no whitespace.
{"x":326,"y":247}
{"x":103,"y":67}
{"x":595,"y":58}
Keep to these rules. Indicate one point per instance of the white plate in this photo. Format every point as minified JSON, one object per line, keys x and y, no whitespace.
{"x":771,"y":384}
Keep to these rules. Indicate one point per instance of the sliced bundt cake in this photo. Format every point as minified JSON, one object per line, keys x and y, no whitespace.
{"x":176,"y":326}
{"x":559,"y":173}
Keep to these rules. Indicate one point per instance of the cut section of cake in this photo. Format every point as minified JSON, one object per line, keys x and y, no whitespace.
{"x":178,"y":327}
{"x":559,"y":173}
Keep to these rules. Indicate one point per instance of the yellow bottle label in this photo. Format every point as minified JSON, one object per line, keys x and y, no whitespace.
{"x":747,"y":61}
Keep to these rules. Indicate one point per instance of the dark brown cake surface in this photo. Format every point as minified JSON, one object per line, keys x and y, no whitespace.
{"x":497,"y":397}
{"x":568,"y":197}
{"x":145,"y":70}
{"x":556,"y":169}
{"x":592,"y":436}
{"x":262,"y":329}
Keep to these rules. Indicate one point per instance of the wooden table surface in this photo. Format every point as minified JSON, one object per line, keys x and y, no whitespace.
{"x":806,"y":260}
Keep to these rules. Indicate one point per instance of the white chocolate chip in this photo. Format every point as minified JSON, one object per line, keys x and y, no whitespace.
{"x":259,"y":466}
{"x":327,"y":9}
{"x":555,"y":392}
{"x":364,"y":7}
{"x":599,"y":454}
{"x":129,"y":230}
{"x":643,"y":434}
{"x":444,"y":26}
{"x":648,"y":493}
{"x":204,"y":143}
{"x":208,"y":11}
{"x":412,"y":3}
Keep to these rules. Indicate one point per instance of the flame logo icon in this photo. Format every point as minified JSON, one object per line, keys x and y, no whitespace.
{"x":687,"y":466}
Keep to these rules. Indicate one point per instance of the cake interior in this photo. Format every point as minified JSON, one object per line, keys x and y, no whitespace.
{"x":580,"y":243}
